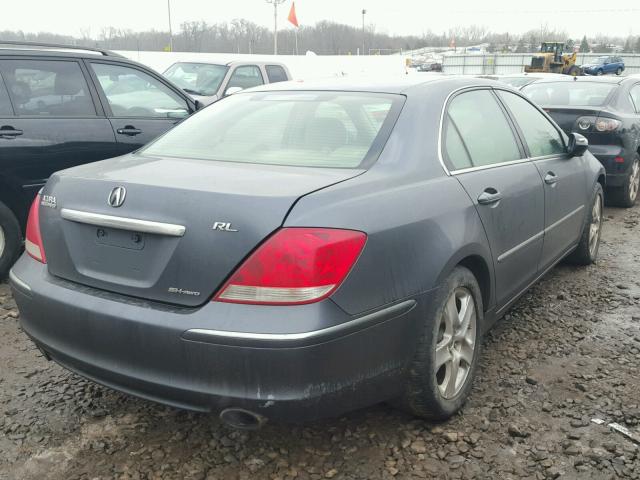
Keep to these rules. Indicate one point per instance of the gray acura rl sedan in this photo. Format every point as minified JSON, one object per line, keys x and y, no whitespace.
{"x":298,"y":251}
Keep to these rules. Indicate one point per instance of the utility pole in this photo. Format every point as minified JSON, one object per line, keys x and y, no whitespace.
{"x":275,"y":23}
{"x":363,"y":34}
{"x":170,"y":32}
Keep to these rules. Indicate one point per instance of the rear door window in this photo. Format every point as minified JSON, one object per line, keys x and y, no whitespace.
{"x":47,"y":88}
{"x":484,"y":130}
{"x":246,"y":76}
{"x":134,"y":93}
{"x":635,"y":97}
{"x":540,"y":135}
{"x":455,"y":150}
{"x":5,"y":103}
{"x":276,"y":73}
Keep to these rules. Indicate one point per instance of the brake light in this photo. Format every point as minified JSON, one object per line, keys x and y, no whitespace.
{"x":294,"y":266}
{"x":607,"y":124}
{"x":33,"y":238}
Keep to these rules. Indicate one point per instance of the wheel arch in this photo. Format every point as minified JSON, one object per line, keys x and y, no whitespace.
{"x":602,"y":179}
{"x":13,"y":199}
{"x":478,"y":260}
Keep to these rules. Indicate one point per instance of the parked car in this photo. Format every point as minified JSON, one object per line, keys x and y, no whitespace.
{"x":519,"y":80}
{"x":430,"y":67}
{"x":603,"y":65}
{"x":65,"y":107}
{"x":208,"y":82}
{"x":607,"y":112}
{"x":261,"y":257}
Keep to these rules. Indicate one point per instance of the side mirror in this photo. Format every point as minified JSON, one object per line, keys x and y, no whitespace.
{"x":177,"y":114}
{"x":578,"y":145}
{"x":232,"y":90}
{"x":199,"y":105}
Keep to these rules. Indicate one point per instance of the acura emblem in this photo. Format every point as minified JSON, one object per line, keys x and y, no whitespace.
{"x":116,"y":197}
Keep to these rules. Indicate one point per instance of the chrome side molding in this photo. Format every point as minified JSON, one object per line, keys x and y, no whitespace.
{"x":224,"y":337}
{"x":123,"y":223}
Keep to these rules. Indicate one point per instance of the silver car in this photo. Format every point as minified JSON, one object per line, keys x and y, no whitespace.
{"x":208,"y":82}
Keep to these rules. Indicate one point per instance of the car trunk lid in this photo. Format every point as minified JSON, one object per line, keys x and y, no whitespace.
{"x":566,"y":117}
{"x":182,"y":229}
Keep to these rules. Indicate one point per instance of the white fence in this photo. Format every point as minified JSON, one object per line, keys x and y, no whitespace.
{"x":302,"y":67}
{"x":505,"y":63}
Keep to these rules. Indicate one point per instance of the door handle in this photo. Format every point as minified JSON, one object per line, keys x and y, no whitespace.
{"x":489,"y":196}
{"x":550,"y":178}
{"x":129,"y":130}
{"x":8,"y":131}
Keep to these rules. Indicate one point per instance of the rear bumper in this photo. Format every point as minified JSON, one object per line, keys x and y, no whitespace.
{"x":221,"y":355}
{"x":616,"y":171}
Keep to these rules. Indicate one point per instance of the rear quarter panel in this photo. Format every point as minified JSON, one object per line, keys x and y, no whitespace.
{"x":420,"y":222}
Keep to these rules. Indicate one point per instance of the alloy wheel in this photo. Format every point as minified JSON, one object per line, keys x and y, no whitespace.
{"x":2,"y":241}
{"x":634,"y":180}
{"x":596,"y":223}
{"x":456,"y":343}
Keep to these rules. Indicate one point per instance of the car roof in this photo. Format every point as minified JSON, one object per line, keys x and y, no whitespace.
{"x":528,"y":75}
{"x":583,"y":79}
{"x":230,"y":63}
{"x":404,"y":84}
{"x":23,"y":47}
{"x":64,"y":53}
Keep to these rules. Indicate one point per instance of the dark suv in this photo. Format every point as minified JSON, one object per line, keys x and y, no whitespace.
{"x":64,"y":106}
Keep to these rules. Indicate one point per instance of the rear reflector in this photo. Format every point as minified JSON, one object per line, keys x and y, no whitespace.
{"x":33,"y":238}
{"x":294,"y":266}
{"x":619,"y":159}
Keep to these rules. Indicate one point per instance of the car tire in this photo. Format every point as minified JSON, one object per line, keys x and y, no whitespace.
{"x":431,"y":391}
{"x":626,"y":195}
{"x":619,"y":71}
{"x":10,"y":239}
{"x":586,"y":252}
{"x":599,"y":72}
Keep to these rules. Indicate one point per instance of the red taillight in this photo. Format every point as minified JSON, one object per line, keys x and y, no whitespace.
{"x":33,"y":240}
{"x":294,"y":266}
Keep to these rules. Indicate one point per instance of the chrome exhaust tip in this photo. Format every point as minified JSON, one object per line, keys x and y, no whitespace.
{"x":242,"y":419}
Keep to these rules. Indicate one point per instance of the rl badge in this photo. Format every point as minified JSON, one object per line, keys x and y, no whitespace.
{"x":223,"y":227}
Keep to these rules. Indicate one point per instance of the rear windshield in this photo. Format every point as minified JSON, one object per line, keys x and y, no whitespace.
{"x":578,"y":94}
{"x":313,"y":129}
{"x":197,"y":78}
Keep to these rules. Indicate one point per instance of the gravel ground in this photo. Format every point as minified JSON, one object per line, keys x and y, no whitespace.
{"x":565,"y":354}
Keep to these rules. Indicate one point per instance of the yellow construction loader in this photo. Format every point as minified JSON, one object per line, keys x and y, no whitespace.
{"x":551,"y":59}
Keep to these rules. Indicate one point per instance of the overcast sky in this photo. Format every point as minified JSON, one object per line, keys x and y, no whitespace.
{"x":620,"y":17}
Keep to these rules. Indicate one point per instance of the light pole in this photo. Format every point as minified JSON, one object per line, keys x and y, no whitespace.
{"x":170,"y":32}
{"x":275,"y":23}
{"x":363,"y":14}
